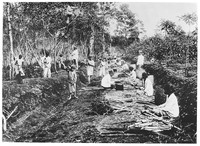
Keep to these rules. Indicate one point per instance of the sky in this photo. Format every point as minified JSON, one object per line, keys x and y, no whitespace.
{"x":151,"y":13}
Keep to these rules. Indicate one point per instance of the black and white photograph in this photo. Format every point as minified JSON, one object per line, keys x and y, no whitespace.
{"x":99,"y":72}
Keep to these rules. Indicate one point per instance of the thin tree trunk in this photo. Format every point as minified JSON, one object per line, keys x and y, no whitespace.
{"x":55,"y":44}
{"x":91,"y":52}
{"x":186,"y":61}
{"x":187,"y":54}
{"x":11,"y":43}
{"x":104,"y":48}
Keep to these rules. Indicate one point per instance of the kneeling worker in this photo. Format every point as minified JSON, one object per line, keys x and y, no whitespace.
{"x":106,"y":81}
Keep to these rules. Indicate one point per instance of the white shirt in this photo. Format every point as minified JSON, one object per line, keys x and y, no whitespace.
{"x":139,"y":72}
{"x":133,"y":66}
{"x":47,"y":64}
{"x":133,"y":74}
{"x":102,"y":71}
{"x":171,"y":105}
{"x":75,"y":54}
{"x":125,"y":67}
{"x":140,"y":60}
{"x":151,"y":78}
{"x":148,"y":87}
{"x":119,"y":63}
{"x":19,"y":62}
{"x":42,"y":61}
{"x":106,"y":81}
{"x":90,"y":68}
{"x":103,"y":63}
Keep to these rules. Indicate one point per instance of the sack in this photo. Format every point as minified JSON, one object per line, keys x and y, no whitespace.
{"x":114,"y":70}
{"x":119,"y":86}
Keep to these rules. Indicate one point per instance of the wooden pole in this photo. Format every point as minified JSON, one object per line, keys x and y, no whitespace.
{"x":11,"y":42}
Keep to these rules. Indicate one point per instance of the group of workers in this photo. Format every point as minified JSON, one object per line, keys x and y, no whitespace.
{"x":170,"y":107}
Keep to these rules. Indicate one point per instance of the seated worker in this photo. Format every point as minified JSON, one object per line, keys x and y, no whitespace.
{"x":132,"y":74}
{"x":170,"y":108}
{"x":148,"y":85}
{"x":106,"y":82}
{"x":125,"y":67}
{"x":119,"y":62}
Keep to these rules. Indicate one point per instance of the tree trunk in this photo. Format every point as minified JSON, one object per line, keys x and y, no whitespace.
{"x":104,"y":48}
{"x":91,"y":51}
{"x":11,"y":43}
{"x":55,"y":44}
{"x":186,"y":61}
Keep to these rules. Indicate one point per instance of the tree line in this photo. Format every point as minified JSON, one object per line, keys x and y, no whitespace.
{"x":29,"y":27}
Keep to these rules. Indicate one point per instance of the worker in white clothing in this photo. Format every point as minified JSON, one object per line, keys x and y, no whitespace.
{"x":140,"y":59}
{"x":72,"y":77}
{"x":132,"y":74}
{"x":170,"y":108}
{"x":106,"y":81}
{"x":102,"y":70}
{"x":47,"y":66}
{"x":74,"y":56}
{"x":43,"y":55}
{"x":90,"y":68}
{"x":19,"y":64}
{"x":148,"y":85}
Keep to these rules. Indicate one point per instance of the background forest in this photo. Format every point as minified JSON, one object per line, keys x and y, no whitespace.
{"x":29,"y":28}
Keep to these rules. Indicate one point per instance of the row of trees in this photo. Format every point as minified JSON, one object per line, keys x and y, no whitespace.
{"x":30,"y":27}
{"x":171,"y":44}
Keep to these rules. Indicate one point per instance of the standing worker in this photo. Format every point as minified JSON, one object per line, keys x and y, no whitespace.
{"x":148,"y":85}
{"x":102,"y":71}
{"x":42,"y":60}
{"x":19,"y":63}
{"x":74,"y":56}
{"x":47,"y":65}
{"x":61,"y":62}
{"x":140,"y":59}
{"x":90,"y":68}
{"x":72,"y":81}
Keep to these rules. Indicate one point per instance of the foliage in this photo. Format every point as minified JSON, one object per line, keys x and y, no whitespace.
{"x":128,"y":28}
{"x":171,"y":47}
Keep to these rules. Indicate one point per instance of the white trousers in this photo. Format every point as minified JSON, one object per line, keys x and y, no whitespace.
{"x":47,"y":72}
